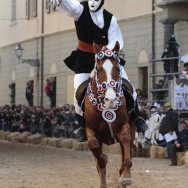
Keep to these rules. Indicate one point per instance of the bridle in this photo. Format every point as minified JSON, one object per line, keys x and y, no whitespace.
{"x":102,"y":87}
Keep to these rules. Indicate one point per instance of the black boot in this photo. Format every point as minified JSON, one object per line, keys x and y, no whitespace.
{"x":173,"y":152}
{"x":140,"y":123}
{"x":81,"y":133}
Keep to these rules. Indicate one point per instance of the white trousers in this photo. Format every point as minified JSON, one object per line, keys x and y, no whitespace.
{"x":80,"y":78}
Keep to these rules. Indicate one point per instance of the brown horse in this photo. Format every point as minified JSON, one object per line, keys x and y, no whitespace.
{"x":107,"y":120}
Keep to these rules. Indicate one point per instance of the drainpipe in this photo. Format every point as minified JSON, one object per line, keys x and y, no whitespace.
{"x":153,"y":42}
{"x":42,"y":55}
{"x":38,"y":74}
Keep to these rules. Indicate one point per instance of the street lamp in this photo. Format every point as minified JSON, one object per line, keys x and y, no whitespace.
{"x":19,"y":51}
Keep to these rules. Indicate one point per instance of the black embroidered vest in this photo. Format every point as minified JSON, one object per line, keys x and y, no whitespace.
{"x":88,"y":31}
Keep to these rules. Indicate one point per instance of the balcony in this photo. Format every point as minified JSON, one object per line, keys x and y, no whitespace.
{"x":173,"y":9}
{"x":168,"y":2}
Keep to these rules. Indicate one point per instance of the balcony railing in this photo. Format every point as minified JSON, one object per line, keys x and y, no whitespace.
{"x":164,"y":2}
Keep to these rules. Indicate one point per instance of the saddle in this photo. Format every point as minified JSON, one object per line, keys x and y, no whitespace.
{"x":127,"y":90}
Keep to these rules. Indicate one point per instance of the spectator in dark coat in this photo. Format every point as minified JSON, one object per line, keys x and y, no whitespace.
{"x":170,"y":121}
{"x":29,"y":93}
{"x":169,"y":127}
{"x":181,"y":144}
{"x":166,"y":62}
{"x":171,"y":51}
{"x":47,"y":127}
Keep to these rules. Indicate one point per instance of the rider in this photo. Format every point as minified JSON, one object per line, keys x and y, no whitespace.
{"x":93,"y":24}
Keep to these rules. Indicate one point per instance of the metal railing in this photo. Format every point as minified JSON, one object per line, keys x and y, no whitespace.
{"x":166,"y":77}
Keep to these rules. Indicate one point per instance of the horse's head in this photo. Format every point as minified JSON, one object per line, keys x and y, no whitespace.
{"x":108,"y":75}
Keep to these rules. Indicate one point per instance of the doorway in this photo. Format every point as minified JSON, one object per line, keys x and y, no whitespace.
{"x":143,"y":81}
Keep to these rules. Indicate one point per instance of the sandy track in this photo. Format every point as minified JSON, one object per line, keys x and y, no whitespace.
{"x":25,"y":166}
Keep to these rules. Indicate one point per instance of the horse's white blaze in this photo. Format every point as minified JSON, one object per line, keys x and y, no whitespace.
{"x":110,"y":93}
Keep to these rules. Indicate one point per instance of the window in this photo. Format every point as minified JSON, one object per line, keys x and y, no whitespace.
{"x":29,"y":92}
{"x":143,"y":81}
{"x":13,"y":20}
{"x":31,"y":8}
{"x":27,"y":6}
{"x":50,"y":6}
{"x":34,"y":8}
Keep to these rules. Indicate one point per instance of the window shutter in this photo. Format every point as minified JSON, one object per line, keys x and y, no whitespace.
{"x":13,"y":11}
{"x":27,"y":9}
{"x":34,"y":8}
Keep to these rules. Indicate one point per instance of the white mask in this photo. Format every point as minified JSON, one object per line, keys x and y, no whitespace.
{"x":94,"y":4}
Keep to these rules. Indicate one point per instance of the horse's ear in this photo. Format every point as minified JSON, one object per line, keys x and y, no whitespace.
{"x":96,"y":48}
{"x":116,"y":47}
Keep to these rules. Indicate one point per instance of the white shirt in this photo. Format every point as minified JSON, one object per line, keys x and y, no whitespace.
{"x":74,"y":9}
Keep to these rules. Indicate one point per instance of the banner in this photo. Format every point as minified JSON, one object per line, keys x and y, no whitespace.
{"x":181,"y":94}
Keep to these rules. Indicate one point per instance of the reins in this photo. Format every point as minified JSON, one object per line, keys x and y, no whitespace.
{"x":97,"y":98}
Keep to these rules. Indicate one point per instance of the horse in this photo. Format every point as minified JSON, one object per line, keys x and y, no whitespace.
{"x":106,"y":115}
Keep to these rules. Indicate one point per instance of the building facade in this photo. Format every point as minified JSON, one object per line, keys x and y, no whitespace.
{"x":47,"y":35}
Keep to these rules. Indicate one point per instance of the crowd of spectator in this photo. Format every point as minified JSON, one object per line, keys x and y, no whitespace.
{"x":164,"y":126}
{"x":57,"y":121}
{"x":166,"y":129}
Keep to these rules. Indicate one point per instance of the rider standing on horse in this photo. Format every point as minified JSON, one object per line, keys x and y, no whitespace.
{"x":93,"y":24}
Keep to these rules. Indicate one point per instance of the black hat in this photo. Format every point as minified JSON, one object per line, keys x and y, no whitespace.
{"x":153,"y":107}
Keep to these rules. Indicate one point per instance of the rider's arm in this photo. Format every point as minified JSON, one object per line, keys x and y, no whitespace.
{"x":114,"y":34}
{"x":72,"y":8}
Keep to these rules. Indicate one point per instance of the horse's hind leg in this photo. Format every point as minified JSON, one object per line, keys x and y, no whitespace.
{"x":101,"y":159}
{"x":124,"y":138}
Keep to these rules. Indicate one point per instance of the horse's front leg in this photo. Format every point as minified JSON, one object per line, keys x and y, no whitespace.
{"x":124,"y":137}
{"x":96,"y":147}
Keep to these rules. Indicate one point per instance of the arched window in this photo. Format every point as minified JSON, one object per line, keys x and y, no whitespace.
{"x":143,"y":57}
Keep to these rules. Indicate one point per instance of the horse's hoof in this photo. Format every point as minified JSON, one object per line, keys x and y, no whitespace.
{"x":125,"y":181}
